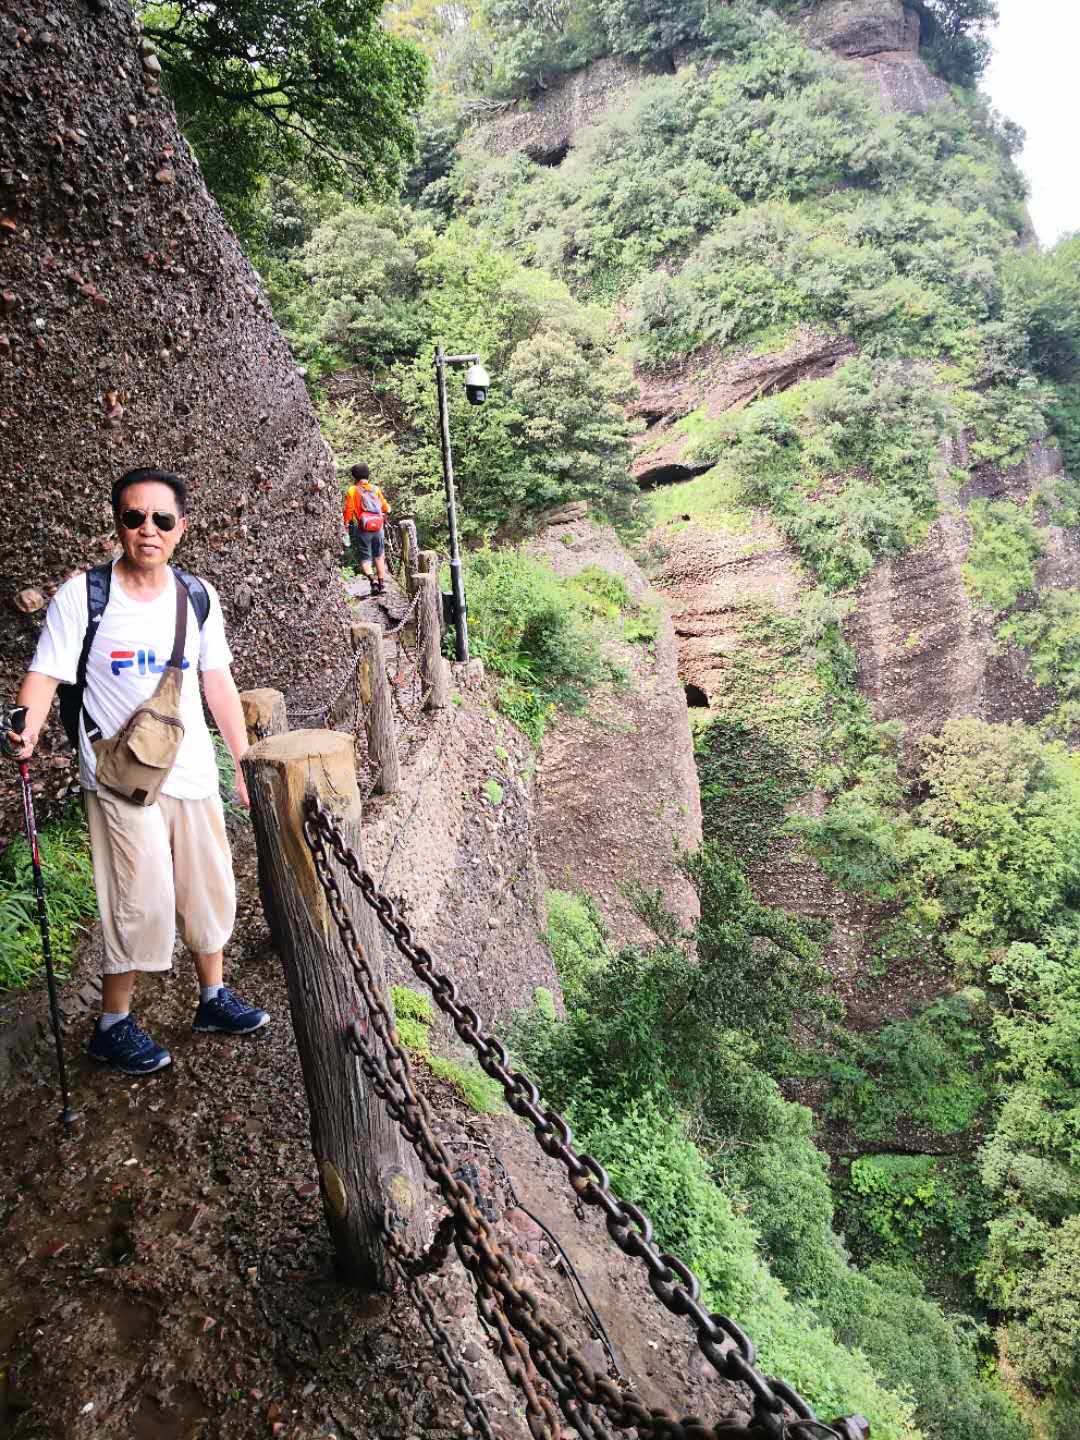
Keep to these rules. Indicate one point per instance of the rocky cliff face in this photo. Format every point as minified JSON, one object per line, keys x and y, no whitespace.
{"x":625,"y":821}
{"x":926,"y":653}
{"x":881,"y":39}
{"x":544,"y":126}
{"x":133,"y":331}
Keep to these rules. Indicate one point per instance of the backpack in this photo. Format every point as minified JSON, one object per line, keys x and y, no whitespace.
{"x":371,"y":511}
{"x":98,"y":584}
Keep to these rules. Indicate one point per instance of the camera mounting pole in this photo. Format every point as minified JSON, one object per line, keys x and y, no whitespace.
{"x":461,"y":623}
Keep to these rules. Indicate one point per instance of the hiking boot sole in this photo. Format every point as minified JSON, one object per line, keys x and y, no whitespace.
{"x":205,"y":1029}
{"x":130,"y":1069}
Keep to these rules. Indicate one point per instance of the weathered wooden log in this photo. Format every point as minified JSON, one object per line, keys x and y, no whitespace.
{"x":409,"y":551}
{"x":364,"y":1165}
{"x":264,"y":714}
{"x":427,"y":563}
{"x":434,"y":670}
{"x":367,"y":640}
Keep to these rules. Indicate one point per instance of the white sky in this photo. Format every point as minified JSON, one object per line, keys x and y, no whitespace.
{"x":1034,"y":79}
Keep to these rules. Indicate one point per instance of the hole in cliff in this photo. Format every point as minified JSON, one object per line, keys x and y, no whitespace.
{"x":670,"y":474}
{"x":696,"y":698}
{"x":551,"y":158}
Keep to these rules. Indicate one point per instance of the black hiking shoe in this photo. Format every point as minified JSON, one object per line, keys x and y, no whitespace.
{"x":227,"y":1014}
{"x":125,"y":1047}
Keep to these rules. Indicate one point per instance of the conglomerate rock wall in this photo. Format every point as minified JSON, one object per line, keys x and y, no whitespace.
{"x":133,"y":331}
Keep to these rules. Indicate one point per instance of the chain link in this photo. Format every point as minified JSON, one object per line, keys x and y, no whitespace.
{"x":345,"y":677}
{"x":406,"y":1264}
{"x":514,"y":1312}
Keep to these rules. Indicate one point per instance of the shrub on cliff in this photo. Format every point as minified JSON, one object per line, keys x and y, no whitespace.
{"x":845,"y":464}
{"x":538,"y":633}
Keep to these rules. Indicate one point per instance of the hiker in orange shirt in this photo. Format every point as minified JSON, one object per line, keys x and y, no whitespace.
{"x":366,"y":509}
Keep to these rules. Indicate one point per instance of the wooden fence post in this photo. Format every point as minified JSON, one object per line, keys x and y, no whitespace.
{"x":378,"y":709}
{"x":409,"y":551}
{"x":427,"y":562}
{"x":264,"y":714}
{"x":434,"y":670}
{"x":364,"y":1164}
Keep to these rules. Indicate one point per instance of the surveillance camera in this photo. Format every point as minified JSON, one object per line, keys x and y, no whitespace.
{"x":477,"y":383}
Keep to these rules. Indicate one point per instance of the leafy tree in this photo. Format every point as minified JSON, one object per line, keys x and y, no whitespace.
{"x":275,"y":85}
{"x":1004,"y":809}
{"x":954,"y":38}
{"x":360,"y":301}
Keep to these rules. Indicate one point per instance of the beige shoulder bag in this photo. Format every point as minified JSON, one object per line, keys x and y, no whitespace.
{"x":135,"y":762}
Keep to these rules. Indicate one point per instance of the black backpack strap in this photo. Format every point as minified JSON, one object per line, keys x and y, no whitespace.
{"x":197,"y":594}
{"x":98,"y":585}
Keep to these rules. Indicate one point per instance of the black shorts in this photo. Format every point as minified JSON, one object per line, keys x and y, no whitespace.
{"x":368,"y":545}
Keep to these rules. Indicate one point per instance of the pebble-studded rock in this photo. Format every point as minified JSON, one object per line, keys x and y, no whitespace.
{"x":133,"y":331}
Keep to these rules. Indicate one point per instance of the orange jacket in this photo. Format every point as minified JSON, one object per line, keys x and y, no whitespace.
{"x":353,"y":508}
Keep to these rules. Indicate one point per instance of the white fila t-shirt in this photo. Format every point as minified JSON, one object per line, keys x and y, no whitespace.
{"x":132,"y":647}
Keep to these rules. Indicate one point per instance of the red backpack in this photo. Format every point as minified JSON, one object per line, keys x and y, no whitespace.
{"x":371,"y":511}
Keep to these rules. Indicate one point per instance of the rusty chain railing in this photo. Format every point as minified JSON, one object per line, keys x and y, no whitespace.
{"x":530,"y":1344}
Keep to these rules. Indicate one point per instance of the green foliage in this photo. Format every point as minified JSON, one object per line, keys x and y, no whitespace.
{"x":1043,"y":291}
{"x":70,"y":900}
{"x":924,"y":1072}
{"x":672,"y":1010}
{"x":536,"y":631}
{"x":375,"y":289}
{"x":414,"y":1015}
{"x":494,"y":792}
{"x":747,"y":782}
{"x":1064,"y":415}
{"x":478,"y":1090}
{"x":1050,"y":633}
{"x":1005,"y":549}
{"x":226,"y":771}
{"x":907,"y":1206}
{"x":650,"y":1054}
{"x":954,"y":37}
{"x":577,"y":939}
{"x":998,"y":839}
{"x":360,"y":301}
{"x":1031,"y":1160}
{"x":846,"y":464}
{"x":265,"y":87}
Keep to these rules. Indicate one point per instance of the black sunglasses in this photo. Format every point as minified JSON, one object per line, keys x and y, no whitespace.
{"x":134,"y":519}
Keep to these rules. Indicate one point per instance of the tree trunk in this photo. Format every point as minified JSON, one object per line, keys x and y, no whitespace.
{"x":359,"y":1150}
{"x":133,"y":331}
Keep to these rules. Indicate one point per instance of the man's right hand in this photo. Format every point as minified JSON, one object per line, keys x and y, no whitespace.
{"x":20,"y":746}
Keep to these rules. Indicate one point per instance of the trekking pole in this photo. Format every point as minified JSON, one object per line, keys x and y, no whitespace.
{"x":16,"y":722}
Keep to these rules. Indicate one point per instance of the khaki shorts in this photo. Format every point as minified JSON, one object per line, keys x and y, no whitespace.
{"x":160,"y":868}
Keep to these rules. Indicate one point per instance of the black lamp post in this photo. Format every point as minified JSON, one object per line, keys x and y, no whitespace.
{"x":477,"y":381}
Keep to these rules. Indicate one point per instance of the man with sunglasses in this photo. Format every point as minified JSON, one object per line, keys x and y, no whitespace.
{"x":166,"y":865}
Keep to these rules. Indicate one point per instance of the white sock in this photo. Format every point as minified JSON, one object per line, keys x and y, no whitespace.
{"x":209,"y":992}
{"x":112,"y":1017}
